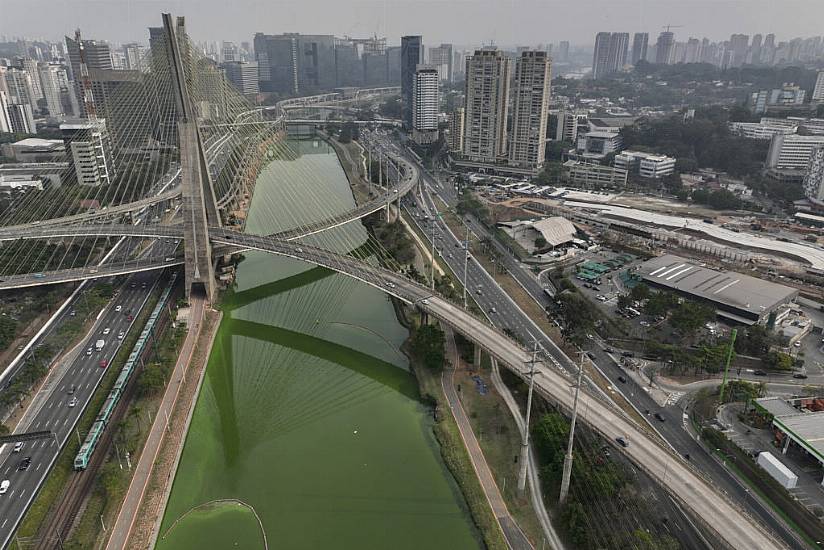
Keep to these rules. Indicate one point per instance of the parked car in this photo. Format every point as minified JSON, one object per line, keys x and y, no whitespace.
{"x":800,"y":376}
{"x":760,"y":373}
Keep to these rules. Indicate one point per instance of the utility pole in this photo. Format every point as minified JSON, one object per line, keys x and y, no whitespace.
{"x":525,"y":436}
{"x":727,"y":366}
{"x":568,"y":458}
{"x":466,"y":264}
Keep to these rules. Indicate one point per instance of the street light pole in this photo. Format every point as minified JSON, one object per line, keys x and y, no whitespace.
{"x":466,"y":264}
{"x":568,"y":458}
{"x":525,"y":436}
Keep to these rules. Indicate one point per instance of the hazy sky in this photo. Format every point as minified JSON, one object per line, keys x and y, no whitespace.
{"x":463,"y":22}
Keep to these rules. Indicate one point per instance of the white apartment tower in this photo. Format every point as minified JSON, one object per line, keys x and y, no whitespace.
{"x":487,"y":103}
{"x":425,"y":104}
{"x":529,"y":121}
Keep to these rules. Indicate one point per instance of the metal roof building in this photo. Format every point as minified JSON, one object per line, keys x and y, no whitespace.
{"x":737,"y":297}
{"x":800,"y":420}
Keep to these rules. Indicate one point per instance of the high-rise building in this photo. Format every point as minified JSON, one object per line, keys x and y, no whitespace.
{"x":563,"y":51}
{"x":814,"y":177}
{"x":610,"y":54}
{"x":5,"y":121}
{"x":425,"y":104}
{"x":754,"y":56}
{"x":19,"y":87}
{"x":20,"y":118}
{"x":739,"y":44}
{"x":411,"y":57}
{"x":529,"y":118}
{"x":665,"y":48}
{"x":441,"y":57}
{"x":600,"y":56}
{"x":30,"y":66}
{"x":243,"y":75}
{"x":818,"y":91}
{"x":487,"y":102}
{"x":640,"y":42}
{"x":295,"y":63}
{"x":96,"y":54}
{"x":134,"y":53}
{"x":229,"y":52}
{"x":692,"y":51}
{"x":456,"y":129}
{"x":53,"y":81}
{"x":792,"y":151}
{"x":91,"y":154}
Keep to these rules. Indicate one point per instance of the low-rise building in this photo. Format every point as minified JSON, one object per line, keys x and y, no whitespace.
{"x":758,"y":130}
{"x":35,"y":150}
{"x":597,"y":145}
{"x":798,"y":420}
{"x":647,"y":165}
{"x":792,"y":151}
{"x":588,"y":174}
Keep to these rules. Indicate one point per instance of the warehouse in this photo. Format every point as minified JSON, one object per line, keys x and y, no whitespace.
{"x":736,"y":297}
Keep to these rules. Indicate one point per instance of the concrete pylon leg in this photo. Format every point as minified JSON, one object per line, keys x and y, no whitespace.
{"x":477,"y":361}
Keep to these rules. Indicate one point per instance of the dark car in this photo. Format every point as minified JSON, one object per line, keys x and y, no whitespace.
{"x":622,"y":380}
{"x":24,"y":464}
{"x":591,"y":355}
{"x":800,"y":376}
{"x":760,"y":373}
{"x":659,"y":416}
{"x":609,"y":350}
{"x":627,"y":354}
{"x":622,"y":442}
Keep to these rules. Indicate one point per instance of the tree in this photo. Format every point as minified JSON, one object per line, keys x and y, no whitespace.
{"x":428,"y":345}
{"x":540,"y":243}
{"x":151,"y":380}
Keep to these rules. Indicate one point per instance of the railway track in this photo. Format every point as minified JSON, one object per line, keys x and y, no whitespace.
{"x":57,"y":527}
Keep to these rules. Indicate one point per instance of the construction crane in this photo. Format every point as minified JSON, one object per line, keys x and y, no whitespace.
{"x":668,"y":27}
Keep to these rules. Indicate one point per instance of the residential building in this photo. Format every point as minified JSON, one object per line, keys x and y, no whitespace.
{"x":594,"y":174}
{"x":610,"y":54}
{"x":692,"y":51}
{"x":814,"y":177}
{"x":640,"y":43}
{"x":818,"y":91}
{"x":738,"y":45}
{"x":487,"y":103}
{"x":811,"y":125}
{"x":5,"y":121}
{"x":563,"y":51}
{"x":527,"y":145}
{"x":456,"y":129}
{"x":441,"y":57}
{"x":91,"y":153}
{"x":646,"y":165}
{"x":243,"y":75}
{"x":54,"y":84}
{"x":134,"y":53}
{"x":21,"y":119}
{"x":411,"y":57}
{"x":425,"y":104}
{"x":19,"y":87}
{"x":792,"y":152}
{"x":665,"y":48}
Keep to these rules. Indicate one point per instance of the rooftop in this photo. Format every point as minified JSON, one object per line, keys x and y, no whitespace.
{"x":38,"y":143}
{"x":740,"y":291}
{"x":805,"y":425}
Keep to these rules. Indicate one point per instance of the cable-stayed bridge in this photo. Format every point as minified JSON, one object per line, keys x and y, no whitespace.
{"x":177,"y":154}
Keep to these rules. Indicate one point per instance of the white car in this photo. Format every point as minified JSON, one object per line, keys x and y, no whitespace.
{"x":106,"y":331}
{"x":72,"y":402}
{"x":89,"y":351}
{"x":118,"y":309}
{"x":120,"y":335}
{"x":18,"y":447}
{"x":4,"y":486}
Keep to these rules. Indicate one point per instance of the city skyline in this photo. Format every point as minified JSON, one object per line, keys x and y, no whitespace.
{"x":507,"y":25}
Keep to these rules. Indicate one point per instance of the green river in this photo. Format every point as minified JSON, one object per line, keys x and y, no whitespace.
{"x":308,"y":414}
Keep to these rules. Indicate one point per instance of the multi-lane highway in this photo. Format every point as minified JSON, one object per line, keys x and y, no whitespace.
{"x":63,"y":399}
{"x":504,"y":313}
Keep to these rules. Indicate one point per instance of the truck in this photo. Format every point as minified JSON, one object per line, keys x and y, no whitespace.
{"x":777,"y":470}
{"x":99,"y":345}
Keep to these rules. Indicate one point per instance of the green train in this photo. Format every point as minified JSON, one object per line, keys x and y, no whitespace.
{"x":81,"y":461}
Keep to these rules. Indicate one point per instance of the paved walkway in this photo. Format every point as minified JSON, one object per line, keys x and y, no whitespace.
{"x":129,"y":511}
{"x":515,"y":538}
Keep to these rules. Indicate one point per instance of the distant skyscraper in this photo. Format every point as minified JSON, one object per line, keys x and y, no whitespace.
{"x":425,"y":104}
{"x":97,"y":56}
{"x":692,"y":51}
{"x":456,"y":129}
{"x":52,"y":76}
{"x":755,"y":50}
{"x":134,"y":56}
{"x":411,"y":57}
{"x":529,"y":118}
{"x":640,"y":42}
{"x":600,"y":56}
{"x":295,"y":63}
{"x":563,"y":51}
{"x":665,"y":48}
{"x":610,"y":53}
{"x":487,"y":102}
{"x":441,"y":58}
{"x":738,"y":45}
{"x":21,"y":118}
{"x":5,"y":121}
